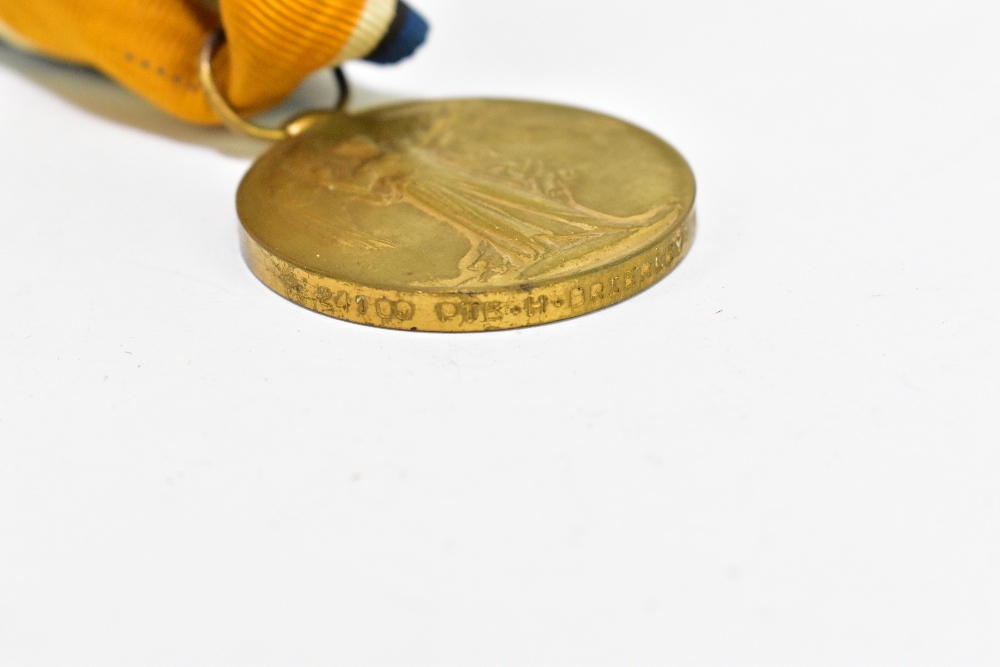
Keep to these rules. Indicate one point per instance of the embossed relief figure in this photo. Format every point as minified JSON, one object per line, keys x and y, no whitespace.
{"x":520,"y":217}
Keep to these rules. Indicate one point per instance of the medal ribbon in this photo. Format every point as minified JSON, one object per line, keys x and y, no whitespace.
{"x":151,"y":46}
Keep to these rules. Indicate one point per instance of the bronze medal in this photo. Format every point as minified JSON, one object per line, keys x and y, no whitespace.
{"x":464,"y":215}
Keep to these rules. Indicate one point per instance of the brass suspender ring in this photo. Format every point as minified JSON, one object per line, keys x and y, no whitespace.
{"x":225,"y":111}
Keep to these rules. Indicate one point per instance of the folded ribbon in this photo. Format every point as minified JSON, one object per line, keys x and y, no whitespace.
{"x":151,"y":46}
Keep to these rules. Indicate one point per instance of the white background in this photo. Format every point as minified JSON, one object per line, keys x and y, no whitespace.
{"x":786,"y":453}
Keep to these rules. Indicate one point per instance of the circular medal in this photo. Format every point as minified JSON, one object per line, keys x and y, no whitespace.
{"x":464,"y":215}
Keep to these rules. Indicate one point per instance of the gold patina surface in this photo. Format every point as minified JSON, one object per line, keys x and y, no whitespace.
{"x":465,"y":215}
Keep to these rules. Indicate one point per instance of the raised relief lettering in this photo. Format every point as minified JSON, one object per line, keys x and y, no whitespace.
{"x":492,"y":311}
{"x":385,"y":308}
{"x":535,"y":305}
{"x":405,"y":311}
{"x":342,"y":300}
{"x":446,"y":311}
{"x":400,"y":310}
{"x":471,"y":311}
{"x":660,"y":262}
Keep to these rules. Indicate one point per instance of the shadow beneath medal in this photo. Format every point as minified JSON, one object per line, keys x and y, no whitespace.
{"x":95,"y":93}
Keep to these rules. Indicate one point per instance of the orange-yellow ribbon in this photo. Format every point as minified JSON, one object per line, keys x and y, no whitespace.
{"x":151,"y":46}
